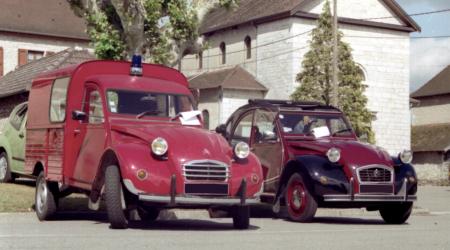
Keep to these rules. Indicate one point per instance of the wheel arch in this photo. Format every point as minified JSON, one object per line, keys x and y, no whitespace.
{"x":294,"y":166}
{"x":38,"y":168}
{"x":109,"y":157}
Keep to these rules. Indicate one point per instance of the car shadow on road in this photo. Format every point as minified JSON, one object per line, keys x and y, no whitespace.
{"x":348,"y":221}
{"x":25,"y":182}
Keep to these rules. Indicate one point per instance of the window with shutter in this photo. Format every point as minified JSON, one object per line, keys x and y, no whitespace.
{"x":23,"y":54}
{"x":1,"y":61}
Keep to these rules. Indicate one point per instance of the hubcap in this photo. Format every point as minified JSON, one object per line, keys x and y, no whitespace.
{"x":296,"y":198}
{"x":3,"y":167}
{"x":41,"y":196}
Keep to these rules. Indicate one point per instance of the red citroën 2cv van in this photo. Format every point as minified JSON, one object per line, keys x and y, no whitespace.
{"x":131,"y":136}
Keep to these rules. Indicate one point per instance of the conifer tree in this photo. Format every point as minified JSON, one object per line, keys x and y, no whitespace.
{"x":315,"y":79}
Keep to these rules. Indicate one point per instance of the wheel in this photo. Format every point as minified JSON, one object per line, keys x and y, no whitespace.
{"x":5,"y":172}
{"x":241,"y":217}
{"x":148,"y":213}
{"x":114,"y":198}
{"x":301,"y":205}
{"x":396,"y":213}
{"x":45,"y":198}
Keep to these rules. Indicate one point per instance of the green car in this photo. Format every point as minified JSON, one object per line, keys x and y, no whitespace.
{"x":12,"y":141}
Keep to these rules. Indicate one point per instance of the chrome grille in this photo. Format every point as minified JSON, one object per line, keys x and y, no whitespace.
{"x":206,"y":170}
{"x":375,"y":174}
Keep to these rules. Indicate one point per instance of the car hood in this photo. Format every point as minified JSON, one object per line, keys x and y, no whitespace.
{"x":185,"y":143}
{"x":353,"y":153}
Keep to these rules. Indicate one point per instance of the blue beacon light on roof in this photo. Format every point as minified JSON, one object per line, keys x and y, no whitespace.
{"x":136,"y":66}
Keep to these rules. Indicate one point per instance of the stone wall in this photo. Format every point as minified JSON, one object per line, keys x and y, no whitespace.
{"x":431,"y":167}
{"x":210,"y":101}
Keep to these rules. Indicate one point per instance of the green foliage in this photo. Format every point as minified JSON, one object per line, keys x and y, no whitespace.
{"x":105,"y":38}
{"x":317,"y":73}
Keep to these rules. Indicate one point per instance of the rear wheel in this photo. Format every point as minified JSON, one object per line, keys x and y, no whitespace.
{"x":115,"y":198}
{"x":301,"y":205}
{"x":396,"y":213}
{"x":5,"y":171}
{"x":45,"y":198}
{"x":241,"y":217}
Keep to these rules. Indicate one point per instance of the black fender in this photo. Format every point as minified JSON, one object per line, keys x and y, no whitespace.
{"x":402,"y":172}
{"x":322,"y":176}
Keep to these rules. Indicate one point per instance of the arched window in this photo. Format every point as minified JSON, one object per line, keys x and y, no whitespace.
{"x":200,"y":60}
{"x":223,"y":50}
{"x":362,"y":72}
{"x":248,"y":46}
{"x":205,"y":114}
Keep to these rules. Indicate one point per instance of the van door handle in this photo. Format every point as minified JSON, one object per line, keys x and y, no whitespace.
{"x":21,"y":135}
{"x":77,"y":131}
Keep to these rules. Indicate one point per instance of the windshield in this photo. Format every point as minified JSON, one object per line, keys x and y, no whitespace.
{"x":314,"y":124}
{"x":147,"y":103}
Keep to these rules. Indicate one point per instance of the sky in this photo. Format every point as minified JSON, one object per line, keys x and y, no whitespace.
{"x":428,"y":56}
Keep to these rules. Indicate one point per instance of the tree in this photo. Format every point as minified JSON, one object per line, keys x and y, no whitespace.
{"x":315,"y":79}
{"x":162,"y":31}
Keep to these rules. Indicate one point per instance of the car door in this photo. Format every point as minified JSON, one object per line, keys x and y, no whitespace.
{"x":17,"y":139}
{"x":90,"y":136}
{"x":266,"y":144}
{"x":242,"y":130}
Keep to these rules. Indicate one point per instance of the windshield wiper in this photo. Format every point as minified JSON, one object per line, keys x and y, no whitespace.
{"x":341,"y":131}
{"x":148,"y":112}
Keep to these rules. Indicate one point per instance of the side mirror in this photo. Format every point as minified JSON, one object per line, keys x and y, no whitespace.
{"x":221,"y":129}
{"x":78,"y":115}
{"x":269,"y":135}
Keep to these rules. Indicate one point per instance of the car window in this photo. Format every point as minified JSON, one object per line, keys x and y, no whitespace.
{"x":265,"y":128}
{"x":243,"y":130}
{"x":93,"y":107}
{"x":58,"y":100}
{"x":17,"y":119}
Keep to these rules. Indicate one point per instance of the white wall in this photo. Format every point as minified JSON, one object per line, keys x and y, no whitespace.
{"x":12,"y":43}
{"x":234,"y":99}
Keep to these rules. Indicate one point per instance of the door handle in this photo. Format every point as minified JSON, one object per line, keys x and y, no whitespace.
{"x":77,"y":131}
{"x":252,"y":149}
{"x":21,"y":135}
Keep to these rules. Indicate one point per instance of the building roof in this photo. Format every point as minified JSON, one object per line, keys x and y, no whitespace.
{"x":41,"y":17}
{"x":438,"y":85}
{"x":430,"y":138}
{"x":260,"y":11}
{"x":230,"y":78}
{"x":19,"y":80}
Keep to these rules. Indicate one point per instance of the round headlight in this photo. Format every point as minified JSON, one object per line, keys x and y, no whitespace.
{"x":406,"y":156}
{"x":159,"y":146}
{"x":334,"y":154}
{"x":241,"y":150}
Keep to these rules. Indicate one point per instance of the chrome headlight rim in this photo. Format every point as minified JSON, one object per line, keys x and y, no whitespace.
{"x":334,"y":154}
{"x":406,"y":156}
{"x":159,"y":146}
{"x":241,"y":150}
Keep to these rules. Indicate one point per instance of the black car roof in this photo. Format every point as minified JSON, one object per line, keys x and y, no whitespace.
{"x":277,"y":105}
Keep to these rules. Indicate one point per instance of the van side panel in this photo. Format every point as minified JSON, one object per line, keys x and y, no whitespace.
{"x":44,"y":143}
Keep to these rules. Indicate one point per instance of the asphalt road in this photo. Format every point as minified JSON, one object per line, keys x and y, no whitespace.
{"x":430,"y":230}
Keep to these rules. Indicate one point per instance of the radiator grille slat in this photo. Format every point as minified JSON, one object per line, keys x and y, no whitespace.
{"x":375,"y":174}
{"x":206,"y":171}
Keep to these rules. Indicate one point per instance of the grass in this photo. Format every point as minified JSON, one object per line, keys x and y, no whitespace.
{"x":19,"y":197}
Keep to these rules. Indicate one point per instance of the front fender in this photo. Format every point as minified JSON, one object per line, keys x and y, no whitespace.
{"x":402,"y":172}
{"x":324,"y":177}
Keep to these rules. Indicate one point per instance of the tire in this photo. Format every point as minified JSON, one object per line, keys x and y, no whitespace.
{"x":45,"y":198}
{"x":396,"y":213}
{"x":113,"y":198}
{"x":241,"y":217}
{"x":5,"y":171}
{"x":148,"y":213}
{"x":301,"y":205}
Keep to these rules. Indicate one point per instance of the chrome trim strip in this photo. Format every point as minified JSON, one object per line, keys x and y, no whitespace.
{"x":375,"y":166}
{"x":207,"y":164}
{"x":197,"y":200}
{"x":130,"y":186}
{"x":368,"y":198}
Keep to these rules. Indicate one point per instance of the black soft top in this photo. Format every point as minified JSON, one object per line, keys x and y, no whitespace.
{"x":288,"y":105}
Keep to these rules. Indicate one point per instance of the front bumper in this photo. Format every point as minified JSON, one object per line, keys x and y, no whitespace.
{"x":401,"y":196}
{"x":174,"y":200}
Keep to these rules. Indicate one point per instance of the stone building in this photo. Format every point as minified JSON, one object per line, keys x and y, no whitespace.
{"x":431,"y":128}
{"x":269,"y":38}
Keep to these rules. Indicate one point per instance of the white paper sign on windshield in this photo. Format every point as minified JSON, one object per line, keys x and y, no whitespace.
{"x":190,"y":118}
{"x":321,"y":132}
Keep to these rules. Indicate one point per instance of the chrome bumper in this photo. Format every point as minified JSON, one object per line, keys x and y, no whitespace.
{"x":173,"y":199}
{"x":401,"y":196}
